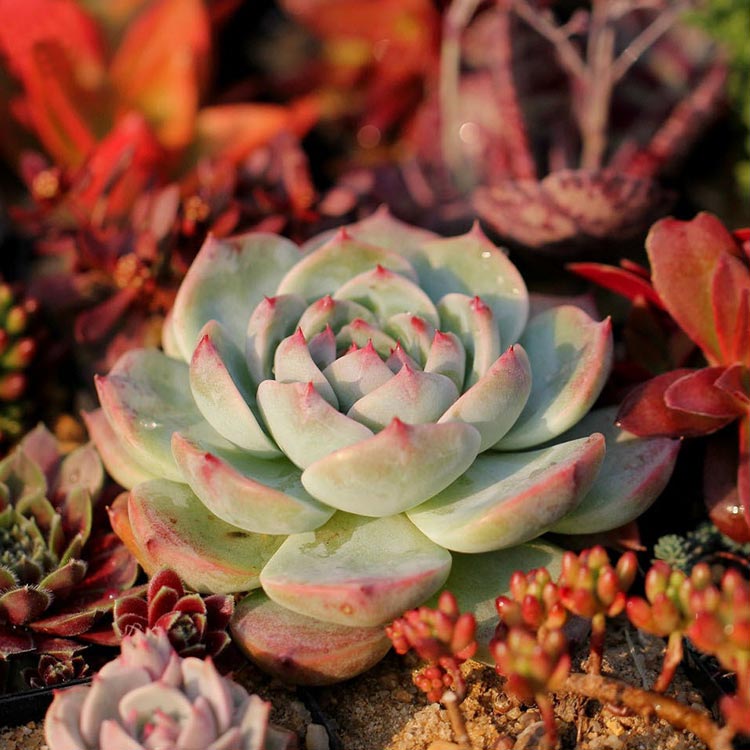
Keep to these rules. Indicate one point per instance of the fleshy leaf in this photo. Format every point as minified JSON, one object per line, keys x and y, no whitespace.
{"x":447,"y":356}
{"x":507,"y":499}
{"x":476,"y":326}
{"x":223,"y":392}
{"x":146,"y":398}
{"x":119,"y":464}
{"x":472,"y":265}
{"x":356,"y":571}
{"x":335,"y":313}
{"x":262,"y":496}
{"x":570,"y":356}
{"x":304,"y":425}
{"x":645,"y":413}
{"x":329,"y":267}
{"x":226,"y":281}
{"x":695,"y":393}
{"x":633,"y":475}
{"x":396,"y":469}
{"x":300,"y":649}
{"x":729,"y":284}
{"x":293,"y":363}
{"x":494,"y":402}
{"x":21,"y":605}
{"x":360,"y":333}
{"x":413,"y":396}
{"x":174,"y":529}
{"x":272,"y":320}
{"x":413,"y":333}
{"x":619,"y":280}
{"x":387,"y":293}
{"x":477,"y":580}
{"x":356,"y":374}
{"x":683,"y":257}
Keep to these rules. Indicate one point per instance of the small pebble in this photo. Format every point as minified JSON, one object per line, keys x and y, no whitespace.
{"x":316,"y":737}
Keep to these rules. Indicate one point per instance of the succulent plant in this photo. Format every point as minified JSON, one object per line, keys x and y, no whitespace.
{"x":700,"y":274}
{"x":149,"y":697}
{"x":54,"y":579}
{"x":195,"y":625}
{"x":444,"y":638}
{"x":534,"y":602}
{"x":53,"y":670}
{"x":331,"y":443}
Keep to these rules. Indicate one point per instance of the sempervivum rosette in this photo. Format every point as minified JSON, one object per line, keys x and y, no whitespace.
{"x":332,"y":442}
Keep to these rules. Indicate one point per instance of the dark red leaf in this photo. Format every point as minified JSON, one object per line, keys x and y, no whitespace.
{"x":730,"y":286}
{"x":695,"y":393}
{"x":644,"y":412}
{"x":619,"y":280}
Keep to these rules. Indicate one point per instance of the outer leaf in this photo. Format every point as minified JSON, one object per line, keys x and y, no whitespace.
{"x":570,"y":356}
{"x":683,"y":256}
{"x":619,"y":280}
{"x":356,"y":571}
{"x":174,"y":529}
{"x":146,"y":398}
{"x":262,"y":496}
{"x":633,"y":475}
{"x":300,"y":649}
{"x":696,"y":393}
{"x":226,"y":281}
{"x":120,"y":465}
{"x":645,"y":413}
{"x":507,"y":499}
{"x":477,"y":580}
{"x":396,"y":469}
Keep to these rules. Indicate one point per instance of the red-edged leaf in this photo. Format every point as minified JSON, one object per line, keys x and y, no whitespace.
{"x":161,"y":67}
{"x":165,"y":578}
{"x":618,"y":280}
{"x":130,"y":612}
{"x":13,"y":641}
{"x":735,"y":381}
{"x":19,"y":606}
{"x":191,"y":604}
{"x":216,"y":641}
{"x":644,"y":412}
{"x":60,"y":648}
{"x":695,"y":393}
{"x":743,"y":240}
{"x":683,"y":256}
{"x":720,"y":488}
{"x":78,"y":617}
{"x":111,"y":566}
{"x":160,"y":603}
{"x":102,"y":635}
{"x":730,"y":288}
{"x":219,"y":608}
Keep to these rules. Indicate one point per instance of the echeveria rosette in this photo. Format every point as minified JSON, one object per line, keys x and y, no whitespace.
{"x":701,"y":275}
{"x":331,"y":443}
{"x":149,"y":697}
{"x":56,"y":569}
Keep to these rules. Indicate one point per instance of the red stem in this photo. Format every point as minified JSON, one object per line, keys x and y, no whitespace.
{"x":598,"y":631}
{"x":672,"y":659}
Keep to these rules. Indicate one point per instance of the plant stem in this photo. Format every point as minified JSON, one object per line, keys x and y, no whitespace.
{"x":648,"y":703}
{"x":672,"y":659}
{"x":456,"y":718}
{"x":548,"y":717}
{"x":598,"y":631}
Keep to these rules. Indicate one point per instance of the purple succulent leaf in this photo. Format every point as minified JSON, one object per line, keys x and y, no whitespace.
{"x":20,"y":606}
{"x":215,"y":641}
{"x":76,"y":619}
{"x":76,"y":511}
{"x":191,"y":604}
{"x":219,"y":609}
{"x":161,"y":601}
{"x":129,"y":613}
{"x":111,"y":567}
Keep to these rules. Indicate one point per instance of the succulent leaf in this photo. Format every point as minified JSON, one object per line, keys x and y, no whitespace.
{"x":356,"y":571}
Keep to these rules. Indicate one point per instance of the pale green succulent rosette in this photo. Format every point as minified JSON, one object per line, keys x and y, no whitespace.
{"x":331,"y":423}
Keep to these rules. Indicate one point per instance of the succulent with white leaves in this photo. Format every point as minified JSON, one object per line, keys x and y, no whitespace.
{"x":331,"y":423}
{"x":149,"y":698}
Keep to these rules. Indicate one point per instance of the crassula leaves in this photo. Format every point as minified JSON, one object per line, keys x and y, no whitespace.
{"x":329,"y":422}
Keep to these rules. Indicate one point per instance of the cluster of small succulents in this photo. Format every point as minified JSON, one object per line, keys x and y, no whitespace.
{"x":391,"y":401}
{"x":531,"y":651}
{"x":150,"y":697}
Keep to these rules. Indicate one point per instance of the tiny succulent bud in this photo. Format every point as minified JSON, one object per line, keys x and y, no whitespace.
{"x":534,"y":602}
{"x":444,"y":638}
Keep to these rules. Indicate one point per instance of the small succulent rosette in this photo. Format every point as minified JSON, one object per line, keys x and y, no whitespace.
{"x":340,"y":424}
{"x":149,"y":697}
{"x":57,"y":570}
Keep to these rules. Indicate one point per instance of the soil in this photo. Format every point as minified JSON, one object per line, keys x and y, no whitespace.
{"x":382,"y":710}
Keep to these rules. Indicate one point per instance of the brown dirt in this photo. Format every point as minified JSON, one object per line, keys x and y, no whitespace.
{"x":382,"y":710}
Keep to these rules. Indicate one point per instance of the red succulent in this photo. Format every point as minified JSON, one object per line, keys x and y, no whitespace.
{"x":195,"y":625}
